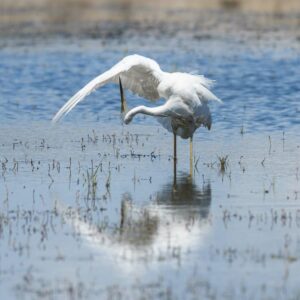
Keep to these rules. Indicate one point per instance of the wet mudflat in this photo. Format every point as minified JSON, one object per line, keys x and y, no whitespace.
{"x":89,"y":208}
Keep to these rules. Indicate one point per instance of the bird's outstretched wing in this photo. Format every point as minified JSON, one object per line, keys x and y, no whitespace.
{"x":139,"y":74}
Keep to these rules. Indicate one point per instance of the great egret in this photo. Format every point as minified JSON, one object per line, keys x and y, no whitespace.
{"x":186,"y":96}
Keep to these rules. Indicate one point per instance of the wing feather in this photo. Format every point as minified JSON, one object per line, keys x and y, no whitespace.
{"x":139,"y":74}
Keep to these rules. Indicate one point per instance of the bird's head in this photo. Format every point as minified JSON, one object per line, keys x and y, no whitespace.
{"x":128,"y":118}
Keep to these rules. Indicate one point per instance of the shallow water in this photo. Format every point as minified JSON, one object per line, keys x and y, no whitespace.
{"x":89,"y":208}
{"x":133,"y":232}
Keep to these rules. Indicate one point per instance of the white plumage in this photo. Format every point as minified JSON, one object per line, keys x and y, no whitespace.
{"x":186,"y":95}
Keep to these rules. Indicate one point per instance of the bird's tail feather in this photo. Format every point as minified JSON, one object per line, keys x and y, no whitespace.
{"x":208,"y":83}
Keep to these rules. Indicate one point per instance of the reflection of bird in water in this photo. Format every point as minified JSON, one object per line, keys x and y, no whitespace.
{"x":174,"y":219}
{"x":137,"y":225}
{"x":176,"y":207}
{"x":187,"y":195}
{"x":186,"y":95}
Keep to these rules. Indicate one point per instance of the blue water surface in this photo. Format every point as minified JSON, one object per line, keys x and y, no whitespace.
{"x":260,"y":89}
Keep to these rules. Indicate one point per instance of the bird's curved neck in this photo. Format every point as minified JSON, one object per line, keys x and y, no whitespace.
{"x":151,"y":111}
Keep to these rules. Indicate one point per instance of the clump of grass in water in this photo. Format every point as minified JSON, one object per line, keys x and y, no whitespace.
{"x":92,"y":181}
{"x":223,"y":163}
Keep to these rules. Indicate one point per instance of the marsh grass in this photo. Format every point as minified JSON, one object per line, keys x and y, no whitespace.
{"x":92,"y":181}
{"x":223,"y":163}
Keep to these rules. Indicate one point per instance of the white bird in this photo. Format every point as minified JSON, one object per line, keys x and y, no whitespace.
{"x":186,"y":95}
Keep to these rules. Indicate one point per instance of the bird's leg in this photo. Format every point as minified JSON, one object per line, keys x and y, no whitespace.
{"x":123,"y":100}
{"x":175,"y":160}
{"x":191,"y":157}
